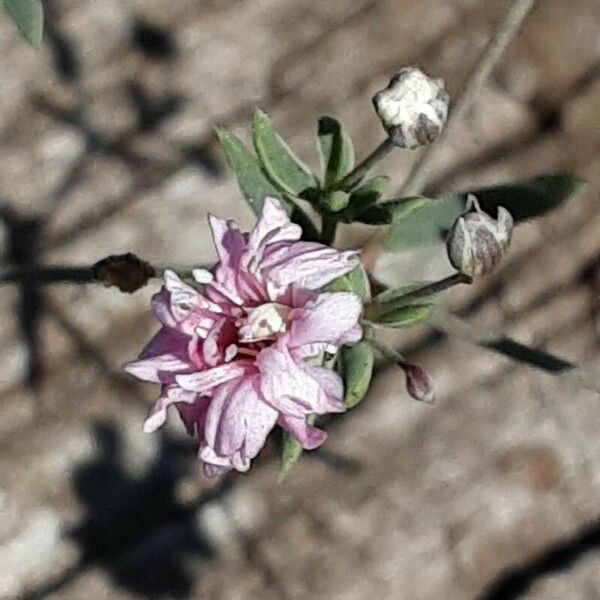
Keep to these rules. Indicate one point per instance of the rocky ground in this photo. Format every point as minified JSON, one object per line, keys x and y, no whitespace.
{"x":106,"y":146}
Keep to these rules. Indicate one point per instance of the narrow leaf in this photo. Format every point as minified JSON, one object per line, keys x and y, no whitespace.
{"x":335,"y":148}
{"x":405,"y":316}
{"x":529,"y":199}
{"x":291,"y":450}
{"x":357,"y":365}
{"x":278,"y":161}
{"x":28,"y":15}
{"x":252,"y":181}
{"x":429,"y":222}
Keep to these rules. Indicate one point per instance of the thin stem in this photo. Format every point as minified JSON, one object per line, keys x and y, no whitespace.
{"x":329,"y":230}
{"x":363,"y":168}
{"x":505,"y":31}
{"x":127,"y":272}
{"x":388,"y":353}
{"x":436,"y":287}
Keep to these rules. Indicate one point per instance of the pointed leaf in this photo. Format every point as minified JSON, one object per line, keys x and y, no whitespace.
{"x":428,"y":222}
{"x":529,"y":199}
{"x":252,"y":181}
{"x":28,"y":15}
{"x":278,"y":161}
{"x":357,"y":367}
{"x":336,"y":152}
{"x":405,"y":316}
{"x":291,"y":450}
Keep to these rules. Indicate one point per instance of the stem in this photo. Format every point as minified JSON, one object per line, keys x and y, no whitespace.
{"x":126,"y":272}
{"x":505,"y":31}
{"x":362,"y":169}
{"x":378,"y":309}
{"x":329,"y":230}
{"x":388,"y":353}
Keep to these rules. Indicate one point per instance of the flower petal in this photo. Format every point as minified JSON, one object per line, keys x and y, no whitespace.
{"x":309,"y":437}
{"x":204,"y":381}
{"x":158,"y":414}
{"x":308,"y":264}
{"x":326,"y":319}
{"x":152,"y":368}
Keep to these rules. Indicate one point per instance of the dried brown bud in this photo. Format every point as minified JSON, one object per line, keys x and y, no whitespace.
{"x":477,"y":242}
{"x":412,"y":108}
{"x":418,"y":382}
{"x":125,"y":271}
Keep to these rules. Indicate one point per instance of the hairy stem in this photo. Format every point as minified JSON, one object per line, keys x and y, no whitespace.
{"x":363,"y":168}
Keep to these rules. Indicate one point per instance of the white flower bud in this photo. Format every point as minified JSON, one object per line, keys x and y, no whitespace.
{"x":412,"y":108}
{"x":477,"y":242}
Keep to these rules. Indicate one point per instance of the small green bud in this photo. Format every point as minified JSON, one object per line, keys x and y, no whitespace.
{"x":335,"y":201}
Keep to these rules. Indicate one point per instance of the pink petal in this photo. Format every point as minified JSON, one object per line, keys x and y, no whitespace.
{"x":326,"y":319}
{"x":151,"y":369}
{"x":295,"y":389}
{"x":308,"y":264}
{"x":166,"y":341}
{"x":158,"y":415}
{"x":194,"y":414}
{"x":161,"y":306}
{"x":273,"y":226}
{"x":204,"y":381}
{"x":310,"y":437}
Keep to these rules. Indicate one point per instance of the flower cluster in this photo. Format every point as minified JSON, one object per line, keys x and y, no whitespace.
{"x":245,"y":353}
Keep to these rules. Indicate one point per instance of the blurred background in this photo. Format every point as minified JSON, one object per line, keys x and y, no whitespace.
{"x":106,"y":146}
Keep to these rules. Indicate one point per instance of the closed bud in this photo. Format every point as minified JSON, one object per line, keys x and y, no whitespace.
{"x":335,"y":201}
{"x":418,"y":382}
{"x":477,"y":242}
{"x":412,"y":108}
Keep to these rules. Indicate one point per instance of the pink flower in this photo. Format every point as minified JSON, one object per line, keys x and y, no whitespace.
{"x":244,"y":354}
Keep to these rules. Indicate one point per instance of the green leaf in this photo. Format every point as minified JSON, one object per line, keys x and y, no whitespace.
{"x":252,"y":181}
{"x":291,"y":450}
{"x":363,"y":198}
{"x":335,"y":148}
{"x":357,"y":366}
{"x":28,"y":15}
{"x":405,"y":316}
{"x":529,"y":199}
{"x":421,"y":221}
{"x":356,"y":282}
{"x":280,"y":164}
{"x":426,"y":222}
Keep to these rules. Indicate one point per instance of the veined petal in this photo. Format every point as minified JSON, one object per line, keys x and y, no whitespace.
{"x":288,"y":386}
{"x":308,"y":264}
{"x":326,"y":319}
{"x":150,"y":369}
{"x":204,"y":381}
{"x":158,"y":414}
{"x":309,"y":437}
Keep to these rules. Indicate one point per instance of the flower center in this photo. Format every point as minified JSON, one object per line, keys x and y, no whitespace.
{"x":264,"y":322}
